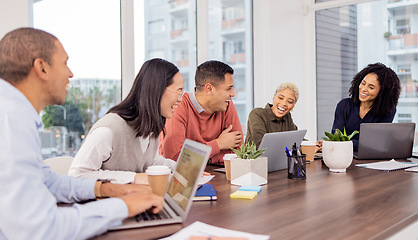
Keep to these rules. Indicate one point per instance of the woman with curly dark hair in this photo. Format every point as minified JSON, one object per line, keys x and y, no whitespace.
{"x":374,"y":94}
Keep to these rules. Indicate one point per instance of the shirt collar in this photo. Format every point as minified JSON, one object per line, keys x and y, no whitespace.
{"x":271,"y":115}
{"x":195,"y":103}
{"x":11,"y":92}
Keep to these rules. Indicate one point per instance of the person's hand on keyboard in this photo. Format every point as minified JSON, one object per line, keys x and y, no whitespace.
{"x":118,"y":190}
{"x":139,"y":202}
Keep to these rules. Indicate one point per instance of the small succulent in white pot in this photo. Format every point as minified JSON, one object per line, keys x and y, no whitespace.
{"x":249,"y":167}
{"x":337,"y":150}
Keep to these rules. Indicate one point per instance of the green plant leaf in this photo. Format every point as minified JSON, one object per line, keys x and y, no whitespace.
{"x":248,"y":151}
{"x":339,"y":136}
{"x":329,"y":135}
{"x":352,"y":134}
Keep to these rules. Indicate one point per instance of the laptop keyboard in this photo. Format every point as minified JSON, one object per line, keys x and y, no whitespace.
{"x":147,"y":216}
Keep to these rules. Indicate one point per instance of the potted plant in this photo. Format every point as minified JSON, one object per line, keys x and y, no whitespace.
{"x":387,"y":35}
{"x":249,"y":167}
{"x":337,"y":150}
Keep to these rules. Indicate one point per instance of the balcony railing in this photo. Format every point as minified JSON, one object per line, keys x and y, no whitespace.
{"x":235,"y":23}
{"x":405,"y":41}
{"x":178,"y":33}
{"x":182,"y":63}
{"x":396,"y":1}
{"x":176,"y":3}
{"x":236,"y":58}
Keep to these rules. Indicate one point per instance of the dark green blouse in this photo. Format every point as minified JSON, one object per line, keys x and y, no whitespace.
{"x":262,"y":121}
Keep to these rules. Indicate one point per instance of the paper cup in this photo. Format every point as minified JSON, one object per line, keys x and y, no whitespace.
{"x":158,"y":178}
{"x":308,"y":148}
{"x":227,"y":163}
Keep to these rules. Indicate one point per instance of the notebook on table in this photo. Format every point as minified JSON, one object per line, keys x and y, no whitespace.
{"x":276,"y":144}
{"x":180,"y":191}
{"x":206,"y":192}
{"x":388,"y":166}
{"x":385,"y":141}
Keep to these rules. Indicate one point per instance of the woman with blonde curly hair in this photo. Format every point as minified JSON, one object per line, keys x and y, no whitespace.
{"x":273,"y":117}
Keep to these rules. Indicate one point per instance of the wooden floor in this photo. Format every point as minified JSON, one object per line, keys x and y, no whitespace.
{"x":359,"y":204}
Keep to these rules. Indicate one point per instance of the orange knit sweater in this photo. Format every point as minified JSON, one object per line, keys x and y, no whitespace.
{"x":204,"y":127}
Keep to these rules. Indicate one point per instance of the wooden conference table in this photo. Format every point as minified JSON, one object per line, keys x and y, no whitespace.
{"x":359,"y":204}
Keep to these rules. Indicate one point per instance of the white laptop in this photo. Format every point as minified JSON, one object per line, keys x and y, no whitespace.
{"x":276,"y":144}
{"x":180,"y":191}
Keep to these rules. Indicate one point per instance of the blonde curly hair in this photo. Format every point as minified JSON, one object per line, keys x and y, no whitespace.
{"x":290,"y":86}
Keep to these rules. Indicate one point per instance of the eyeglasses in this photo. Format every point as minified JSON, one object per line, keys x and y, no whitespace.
{"x":180,"y":93}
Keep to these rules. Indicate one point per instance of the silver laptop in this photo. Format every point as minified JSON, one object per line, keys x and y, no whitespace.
{"x":180,"y":191}
{"x":276,"y":144}
{"x":385,"y":141}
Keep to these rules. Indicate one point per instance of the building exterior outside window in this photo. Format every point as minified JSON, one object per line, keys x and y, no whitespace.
{"x":230,"y":39}
{"x":92,"y":41}
{"x":176,"y":42}
{"x":162,"y":28}
{"x":350,"y":37}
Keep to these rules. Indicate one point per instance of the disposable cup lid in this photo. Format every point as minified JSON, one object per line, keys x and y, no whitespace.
{"x":229,"y":156}
{"x":158,"y":170}
{"x":308,"y":143}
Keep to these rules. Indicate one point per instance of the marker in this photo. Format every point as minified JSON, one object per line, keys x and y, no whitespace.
{"x":287,"y":152}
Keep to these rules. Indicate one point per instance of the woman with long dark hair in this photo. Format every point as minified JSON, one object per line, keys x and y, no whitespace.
{"x":124,"y":142}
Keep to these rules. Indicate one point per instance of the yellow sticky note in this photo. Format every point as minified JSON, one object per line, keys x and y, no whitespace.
{"x":243,"y":194}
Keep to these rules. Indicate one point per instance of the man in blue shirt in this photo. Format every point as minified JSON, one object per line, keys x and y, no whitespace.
{"x":34,"y":74}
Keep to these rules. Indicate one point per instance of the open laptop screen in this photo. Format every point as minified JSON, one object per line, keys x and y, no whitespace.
{"x":386,"y":140}
{"x":186,"y":174}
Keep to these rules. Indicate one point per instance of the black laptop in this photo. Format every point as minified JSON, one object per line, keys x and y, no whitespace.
{"x":385,"y":141}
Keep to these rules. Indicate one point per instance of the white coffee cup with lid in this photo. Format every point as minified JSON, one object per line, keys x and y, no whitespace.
{"x":158,"y":176}
{"x":227,"y":162}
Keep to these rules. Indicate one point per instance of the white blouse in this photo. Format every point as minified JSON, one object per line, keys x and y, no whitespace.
{"x":90,"y":157}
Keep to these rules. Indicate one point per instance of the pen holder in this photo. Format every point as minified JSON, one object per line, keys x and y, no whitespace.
{"x":296,"y":167}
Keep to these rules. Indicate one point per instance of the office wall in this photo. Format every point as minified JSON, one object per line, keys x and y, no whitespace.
{"x":14,"y":14}
{"x":284,"y":50}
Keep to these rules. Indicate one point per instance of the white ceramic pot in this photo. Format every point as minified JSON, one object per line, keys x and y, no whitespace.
{"x":337,"y":155}
{"x":249,"y":171}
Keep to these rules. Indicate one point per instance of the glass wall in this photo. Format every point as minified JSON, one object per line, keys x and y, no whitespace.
{"x":167,"y":29}
{"x":350,"y":37}
{"x":162,"y":28}
{"x":230,"y":41}
{"x":92,"y":41}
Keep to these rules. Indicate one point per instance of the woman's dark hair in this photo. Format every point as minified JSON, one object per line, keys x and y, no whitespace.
{"x":390,"y":88}
{"x":142,"y":107}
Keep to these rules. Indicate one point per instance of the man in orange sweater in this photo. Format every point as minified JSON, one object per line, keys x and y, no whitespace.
{"x":207,"y":115}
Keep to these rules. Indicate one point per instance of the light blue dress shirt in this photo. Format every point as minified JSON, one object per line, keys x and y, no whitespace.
{"x":29,"y":190}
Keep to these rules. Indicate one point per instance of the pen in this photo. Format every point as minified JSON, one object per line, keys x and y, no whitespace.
{"x":287,"y":152}
{"x":297,"y":150}
{"x":299,"y":166}
{"x":291,"y":166}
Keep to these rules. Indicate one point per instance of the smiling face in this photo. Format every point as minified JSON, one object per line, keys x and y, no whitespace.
{"x":369,"y":88}
{"x":221,"y":95}
{"x":58,"y":75}
{"x":171,"y":96}
{"x":283,"y":102}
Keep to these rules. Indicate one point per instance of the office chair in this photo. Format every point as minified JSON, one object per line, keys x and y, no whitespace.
{"x":60,"y":165}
